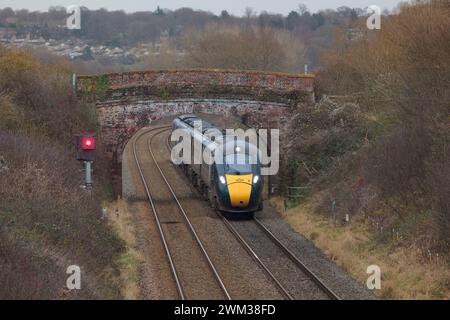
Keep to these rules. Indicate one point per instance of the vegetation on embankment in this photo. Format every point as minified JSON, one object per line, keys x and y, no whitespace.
{"x":47,"y":223}
{"x":377,"y":143}
{"x":407,"y":272}
{"x":119,"y":214}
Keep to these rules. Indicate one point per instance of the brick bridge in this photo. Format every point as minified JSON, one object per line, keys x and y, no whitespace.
{"x":127,"y":102}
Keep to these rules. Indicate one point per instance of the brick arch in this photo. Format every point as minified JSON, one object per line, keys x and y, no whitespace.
{"x":127,"y":102}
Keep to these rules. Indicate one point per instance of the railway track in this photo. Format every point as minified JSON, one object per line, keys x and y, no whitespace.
{"x":291,"y":275}
{"x":324,"y":288}
{"x":315,"y":283}
{"x":194,"y":273}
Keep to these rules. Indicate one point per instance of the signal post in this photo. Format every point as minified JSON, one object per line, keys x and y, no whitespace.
{"x":86,"y":147}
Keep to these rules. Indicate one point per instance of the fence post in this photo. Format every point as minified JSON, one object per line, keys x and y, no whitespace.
{"x":333,"y":208}
{"x":74,"y":84}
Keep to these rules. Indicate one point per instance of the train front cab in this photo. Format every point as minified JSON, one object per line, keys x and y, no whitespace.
{"x":239,"y":187}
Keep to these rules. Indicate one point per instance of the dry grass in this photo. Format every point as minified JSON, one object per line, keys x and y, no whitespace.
{"x":130,"y":261}
{"x":405,"y":274}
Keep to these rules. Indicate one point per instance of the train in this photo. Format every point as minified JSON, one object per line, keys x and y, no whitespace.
{"x":232,"y":186}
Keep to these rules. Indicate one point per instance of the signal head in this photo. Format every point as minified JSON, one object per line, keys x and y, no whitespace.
{"x":85,"y":144}
{"x":88,"y":143}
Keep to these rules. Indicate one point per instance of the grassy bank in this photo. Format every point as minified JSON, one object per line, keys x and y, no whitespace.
{"x":406,"y":273}
{"x":118,"y":215}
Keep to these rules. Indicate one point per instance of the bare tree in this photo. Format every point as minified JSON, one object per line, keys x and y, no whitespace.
{"x":249,"y":13}
{"x":302,"y":9}
{"x":248,"y":48}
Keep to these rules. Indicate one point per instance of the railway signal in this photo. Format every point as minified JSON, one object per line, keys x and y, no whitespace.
{"x":85,"y":144}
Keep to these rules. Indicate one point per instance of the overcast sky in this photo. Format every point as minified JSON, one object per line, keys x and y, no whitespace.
{"x":236,"y":7}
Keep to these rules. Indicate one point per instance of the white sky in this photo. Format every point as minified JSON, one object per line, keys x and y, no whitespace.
{"x":236,"y":7}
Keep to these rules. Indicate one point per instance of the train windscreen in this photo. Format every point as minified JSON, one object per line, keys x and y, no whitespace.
{"x":238,"y":164}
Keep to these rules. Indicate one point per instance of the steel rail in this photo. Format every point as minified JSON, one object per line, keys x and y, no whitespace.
{"x":324,"y":288}
{"x":188,"y":222}
{"x":158,"y":222}
{"x":254,"y":256}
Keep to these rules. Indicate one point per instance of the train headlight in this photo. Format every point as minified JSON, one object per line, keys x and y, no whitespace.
{"x":255,"y":179}
{"x":223,"y":180}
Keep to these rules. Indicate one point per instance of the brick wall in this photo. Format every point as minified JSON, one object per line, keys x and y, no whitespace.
{"x":265,"y":86}
{"x":119,"y":122}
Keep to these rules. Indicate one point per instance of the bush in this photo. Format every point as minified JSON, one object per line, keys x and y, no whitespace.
{"x":396,"y":164}
{"x":320,"y":134}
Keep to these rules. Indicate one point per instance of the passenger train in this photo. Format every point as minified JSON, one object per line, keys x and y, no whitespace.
{"x":233,"y":185}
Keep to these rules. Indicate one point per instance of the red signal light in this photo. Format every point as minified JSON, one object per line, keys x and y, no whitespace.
{"x":85,"y":144}
{"x":88,"y":143}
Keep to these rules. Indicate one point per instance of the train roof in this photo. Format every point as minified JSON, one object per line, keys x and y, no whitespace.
{"x":191,"y":119}
{"x":188,"y":117}
{"x":229,"y":145}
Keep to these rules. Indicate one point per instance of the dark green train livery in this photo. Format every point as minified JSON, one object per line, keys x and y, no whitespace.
{"x":233,"y":185}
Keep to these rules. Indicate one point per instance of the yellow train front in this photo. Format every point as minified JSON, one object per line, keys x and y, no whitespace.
{"x":238,"y":185}
{"x":233,"y":184}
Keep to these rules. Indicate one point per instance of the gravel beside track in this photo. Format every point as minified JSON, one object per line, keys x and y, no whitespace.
{"x":296,"y":282}
{"x":332,"y":275}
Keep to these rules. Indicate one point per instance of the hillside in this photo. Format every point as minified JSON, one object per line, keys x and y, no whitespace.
{"x":376,"y":143}
{"x":47,"y":222}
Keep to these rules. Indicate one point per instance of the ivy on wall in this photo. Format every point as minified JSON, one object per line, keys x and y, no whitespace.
{"x":101,"y":87}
